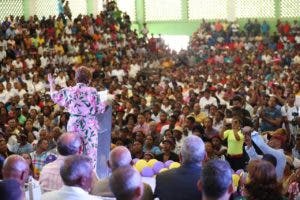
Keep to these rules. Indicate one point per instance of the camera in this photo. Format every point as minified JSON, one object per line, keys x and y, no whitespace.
{"x":294,"y":121}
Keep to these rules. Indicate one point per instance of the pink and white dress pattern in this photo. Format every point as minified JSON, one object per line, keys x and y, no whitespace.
{"x":83,"y":104}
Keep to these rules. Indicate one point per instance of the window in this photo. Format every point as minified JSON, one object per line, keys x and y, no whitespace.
{"x":46,"y":8}
{"x":127,"y":6}
{"x":290,"y":8}
{"x":162,"y":10}
{"x":78,"y":7}
{"x":11,"y":7}
{"x":207,"y":9}
{"x":254,"y":8}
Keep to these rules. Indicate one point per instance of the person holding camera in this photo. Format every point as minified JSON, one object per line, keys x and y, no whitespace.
{"x":291,"y":116}
{"x":235,"y":140}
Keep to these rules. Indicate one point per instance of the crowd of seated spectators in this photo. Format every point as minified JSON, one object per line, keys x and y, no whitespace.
{"x":237,"y":88}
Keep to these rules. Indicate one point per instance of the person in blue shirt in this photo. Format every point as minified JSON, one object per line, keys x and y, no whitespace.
{"x":270,"y":116}
{"x":265,"y":28}
{"x":274,"y":148}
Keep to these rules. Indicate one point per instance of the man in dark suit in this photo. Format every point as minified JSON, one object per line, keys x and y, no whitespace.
{"x":216,"y":180}
{"x":181,"y":183}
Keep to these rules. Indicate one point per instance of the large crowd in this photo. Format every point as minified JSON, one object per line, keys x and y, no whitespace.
{"x":236,"y":88}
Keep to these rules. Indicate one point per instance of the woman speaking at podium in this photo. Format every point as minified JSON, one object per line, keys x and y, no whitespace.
{"x":83,"y":103}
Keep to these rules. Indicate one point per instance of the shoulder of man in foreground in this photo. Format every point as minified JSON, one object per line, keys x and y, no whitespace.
{"x":102,"y":188}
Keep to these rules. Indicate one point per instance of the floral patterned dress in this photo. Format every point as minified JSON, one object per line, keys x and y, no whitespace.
{"x":83,"y":103}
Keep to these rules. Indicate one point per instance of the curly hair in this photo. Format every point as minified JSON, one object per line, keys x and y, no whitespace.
{"x":263,"y":184}
{"x":83,"y":75}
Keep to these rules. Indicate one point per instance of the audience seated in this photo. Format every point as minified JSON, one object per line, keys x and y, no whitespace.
{"x":229,"y":72}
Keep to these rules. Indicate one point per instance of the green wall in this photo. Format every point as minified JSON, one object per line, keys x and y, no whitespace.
{"x":187,"y":27}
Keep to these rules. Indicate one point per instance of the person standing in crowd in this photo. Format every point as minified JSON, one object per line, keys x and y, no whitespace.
{"x":274,"y":147}
{"x":235,"y":140}
{"x":270,"y":116}
{"x":83,"y":103}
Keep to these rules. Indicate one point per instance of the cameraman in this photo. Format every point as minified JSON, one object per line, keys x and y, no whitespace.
{"x":291,"y":116}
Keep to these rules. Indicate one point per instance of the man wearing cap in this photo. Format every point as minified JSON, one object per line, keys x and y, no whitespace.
{"x":178,"y":134}
{"x":274,"y":147}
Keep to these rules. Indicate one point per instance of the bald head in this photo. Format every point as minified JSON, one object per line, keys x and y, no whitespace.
{"x":68,"y":144}
{"x":15,"y":167}
{"x":119,"y":157}
{"x":126,"y":183}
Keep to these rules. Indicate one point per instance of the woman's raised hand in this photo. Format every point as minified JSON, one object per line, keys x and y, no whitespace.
{"x":50,"y":79}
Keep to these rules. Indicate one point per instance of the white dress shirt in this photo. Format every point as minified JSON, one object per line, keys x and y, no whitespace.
{"x":68,"y":192}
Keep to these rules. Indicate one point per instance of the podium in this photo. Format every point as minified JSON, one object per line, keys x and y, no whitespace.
{"x":104,"y":141}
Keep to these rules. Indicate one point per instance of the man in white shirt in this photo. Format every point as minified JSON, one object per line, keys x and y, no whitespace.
{"x":266,"y":57}
{"x":61,"y":79}
{"x":3,"y":97}
{"x":76,"y":173}
{"x":207,"y":100}
{"x":2,"y":53}
{"x":44,"y":60}
{"x":290,"y":114}
{"x":118,"y":72}
{"x":10,"y":91}
{"x":17,"y":63}
{"x":30,"y":62}
{"x":296,"y":59}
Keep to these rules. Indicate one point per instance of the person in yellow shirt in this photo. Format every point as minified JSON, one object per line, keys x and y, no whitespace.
{"x":40,"y":40}
{"x":59,"y":48}
{"x":296,"y":89}
{"x":197,"y":114}
{"x":235,"y":141}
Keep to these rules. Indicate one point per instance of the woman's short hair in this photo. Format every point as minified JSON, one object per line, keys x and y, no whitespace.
{"x":83,"y":75}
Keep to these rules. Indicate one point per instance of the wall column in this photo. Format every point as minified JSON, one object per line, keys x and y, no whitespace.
{"x":230,"y":11}
{"x":140,"y":13}
{"x":26,"y":5}
{"x":277,"y":9}
{"x":184,"y":10}
{"x":92,"y":6}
